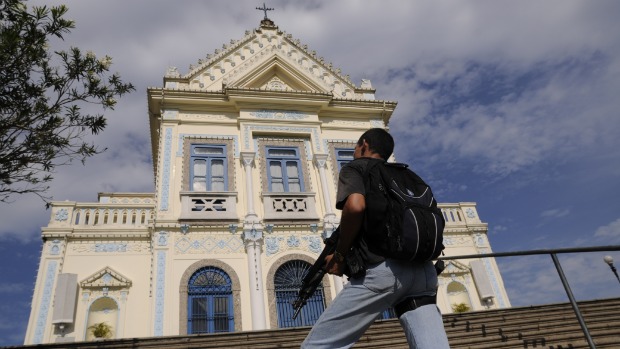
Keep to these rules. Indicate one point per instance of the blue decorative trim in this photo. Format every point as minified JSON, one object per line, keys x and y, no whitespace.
{"x":233,"y":137}
{"x":279,"y":115}
{"x":308,"y":148}
{"x":165,"y":183}
{"x":470,"y":212}
{"x":62,"y":215}
{"x":493,"y":277}
{"x":55,"y":248}
{"x":376,"y":123}
{"x":292,"y":241}
{"x":313,"y":131}
{"x":272,"y":244}
{"x":336,"y":141}
{"x":184,"y":229}
{"x":163,"y":239}
{"x":314,"y":243}
{"x":45,"y":303}
{"x":159,"y":293}
{"x":208,"y":245}
{"x":111,"y":247}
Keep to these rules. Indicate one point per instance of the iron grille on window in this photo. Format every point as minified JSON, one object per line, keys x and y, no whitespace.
{"x":210,"y":306}
{"x":287,"y":283}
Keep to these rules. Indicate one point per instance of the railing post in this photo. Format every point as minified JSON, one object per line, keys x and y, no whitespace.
{"x":572,"y":300}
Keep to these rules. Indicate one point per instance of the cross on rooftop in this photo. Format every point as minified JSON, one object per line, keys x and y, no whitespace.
{"x":265,"y":9}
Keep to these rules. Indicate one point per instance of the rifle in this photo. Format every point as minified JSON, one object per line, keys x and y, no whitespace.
{"x":315,"y":274}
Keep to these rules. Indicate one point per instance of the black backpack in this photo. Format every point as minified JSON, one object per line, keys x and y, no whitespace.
{"x":402,"y":219}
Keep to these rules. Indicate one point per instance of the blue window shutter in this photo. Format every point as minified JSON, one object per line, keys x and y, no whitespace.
{"x":284,"y":170}
{"x":343,"y":156}
{"x":208,"y":167}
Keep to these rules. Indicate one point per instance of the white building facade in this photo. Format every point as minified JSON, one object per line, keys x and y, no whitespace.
{"x":246,"y":150}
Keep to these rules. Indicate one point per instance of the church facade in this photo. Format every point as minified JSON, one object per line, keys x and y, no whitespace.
{"x":246,"y":151}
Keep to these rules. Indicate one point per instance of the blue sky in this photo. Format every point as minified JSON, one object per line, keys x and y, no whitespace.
{"x":510,"y":104}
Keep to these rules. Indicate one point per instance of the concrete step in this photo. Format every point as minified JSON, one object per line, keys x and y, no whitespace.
{"x":552,"y":326}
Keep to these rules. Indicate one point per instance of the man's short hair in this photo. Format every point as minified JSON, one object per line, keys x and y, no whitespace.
{"x":379,"y":141}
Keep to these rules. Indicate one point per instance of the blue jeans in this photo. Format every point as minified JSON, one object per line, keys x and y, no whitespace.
{"x":357,"y":306}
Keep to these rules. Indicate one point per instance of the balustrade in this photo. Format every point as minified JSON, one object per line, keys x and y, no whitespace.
{"x":289,"y":206}
{"x":208,"y":206}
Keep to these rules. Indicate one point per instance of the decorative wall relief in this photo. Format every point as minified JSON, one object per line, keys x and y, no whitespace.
{"x":162,"y":238}
{"x":109,"y":247}
{"x":315,"y":244}
{"x":272,"y":244}
{"x":277,"y":244}
{"x":55,"y":247}
{"x":470,"y":212}
{"x":165,"y":182}
{"x":247,"y":134}
{"x":182,"y":136}
{"x":203,"y":244}
{"x":159,"y":293}
{"x":457,"y":241}
{"x":46,"y":302}
{"x":279,"y":115}
{"x":493,"y":277}
{"x":480,"y":240}
{"x":62,"y":215}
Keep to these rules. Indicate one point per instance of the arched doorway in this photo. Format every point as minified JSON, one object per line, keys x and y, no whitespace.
{"x":287,"y":282}
{"x":210,"y":302}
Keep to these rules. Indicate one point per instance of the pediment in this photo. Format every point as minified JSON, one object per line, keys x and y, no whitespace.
{"x":106,"y":277}
{"x":455,"y":267}
{"x":265,"y":59}
{"x":277,"y":74}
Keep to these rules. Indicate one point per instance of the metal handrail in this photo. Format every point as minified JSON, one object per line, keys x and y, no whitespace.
{"x":553,"y":253}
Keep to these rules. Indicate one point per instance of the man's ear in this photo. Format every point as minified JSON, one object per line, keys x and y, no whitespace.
{"x":364,"y":148}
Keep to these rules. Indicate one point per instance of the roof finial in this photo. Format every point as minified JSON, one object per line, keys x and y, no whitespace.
{"x":265,"y":9}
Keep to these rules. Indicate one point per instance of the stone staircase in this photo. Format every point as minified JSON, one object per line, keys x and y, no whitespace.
{"x":552,"y":326}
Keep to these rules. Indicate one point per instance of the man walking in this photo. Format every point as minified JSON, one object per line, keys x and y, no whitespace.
{"x":410,"y":287}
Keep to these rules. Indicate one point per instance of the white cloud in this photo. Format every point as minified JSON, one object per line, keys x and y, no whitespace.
{"x":610,"y":232}
{"x":496,"y":229}
{"x":535,"y":280}
{"x":555,"y":213}
{"x":13,"y":288}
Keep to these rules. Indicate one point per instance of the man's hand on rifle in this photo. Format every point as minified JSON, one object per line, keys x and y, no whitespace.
{"x":332,"y":266}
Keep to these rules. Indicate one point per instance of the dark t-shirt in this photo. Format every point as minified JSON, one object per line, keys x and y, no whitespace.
{"x":351,"y":181}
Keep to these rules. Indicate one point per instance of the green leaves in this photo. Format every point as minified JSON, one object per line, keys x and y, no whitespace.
{"x":42,"y":124}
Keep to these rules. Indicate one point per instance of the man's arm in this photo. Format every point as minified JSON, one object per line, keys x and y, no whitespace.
{"x":350,"y":225}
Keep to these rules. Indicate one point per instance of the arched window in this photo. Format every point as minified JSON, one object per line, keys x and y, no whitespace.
{"x":287,"y":282}
{"x":210,"y":305}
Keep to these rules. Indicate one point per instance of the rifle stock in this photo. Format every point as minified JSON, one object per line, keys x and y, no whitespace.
{"x":315,"y":274}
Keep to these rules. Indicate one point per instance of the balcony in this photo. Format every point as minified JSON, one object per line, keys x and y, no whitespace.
{"x":113,"y":211}
{"x":289,"y":206}
{"x":208,"y":206}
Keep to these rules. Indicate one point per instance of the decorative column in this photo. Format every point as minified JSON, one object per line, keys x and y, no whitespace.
{"x":160,"y":249}
{"x":253,"y":239}
{"x":248,"y":161}
{"x":46,"y":279}
{"x":329,"y":220}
